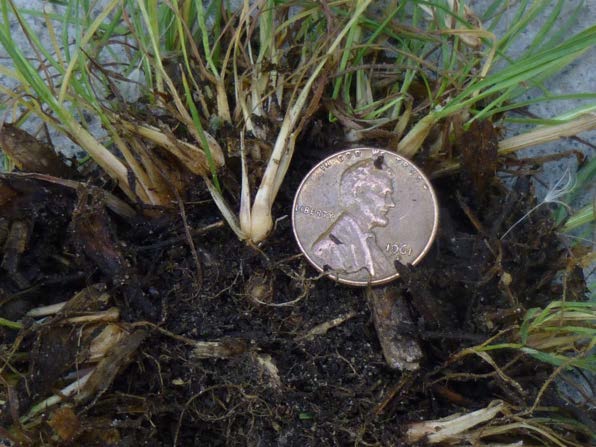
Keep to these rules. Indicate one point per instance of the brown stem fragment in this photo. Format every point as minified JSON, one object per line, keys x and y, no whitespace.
{"x":392,"y":320}
{"x":323,"y":328}
{"x":31,"y":155}
{"x":224,"y":348}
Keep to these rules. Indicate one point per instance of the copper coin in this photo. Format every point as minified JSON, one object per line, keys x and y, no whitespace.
{"x":359,"y":210}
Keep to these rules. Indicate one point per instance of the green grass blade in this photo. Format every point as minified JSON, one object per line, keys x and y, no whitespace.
{"x":546,"y":61}
{"x":10,"y":324}
{"x":197,"y":123}
{"x":525,"y":327}
{"x":541,"y":36}
{"x":583,"y":216}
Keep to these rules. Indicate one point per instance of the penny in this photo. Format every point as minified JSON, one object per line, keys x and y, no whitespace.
{"x":360,"y":210}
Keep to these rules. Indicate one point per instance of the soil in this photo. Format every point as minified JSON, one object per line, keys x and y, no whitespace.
{"x":264,"y":380}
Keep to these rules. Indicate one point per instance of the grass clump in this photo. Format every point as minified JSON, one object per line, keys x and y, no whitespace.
{"x":561,"y":335}
{"x":249,"y":79}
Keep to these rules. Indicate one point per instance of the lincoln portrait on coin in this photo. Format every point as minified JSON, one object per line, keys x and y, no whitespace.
{"x":365,"y":198}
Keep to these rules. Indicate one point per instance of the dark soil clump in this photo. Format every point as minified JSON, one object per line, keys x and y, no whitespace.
{"x":261,"y":377}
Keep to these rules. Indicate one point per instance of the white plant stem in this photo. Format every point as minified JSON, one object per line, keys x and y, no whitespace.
{"x":65,"y":392}
{"x":547,"y":134}
{"x":225,"y":209}
{"x":452,"y":427}
{"x":245,"y":217}
{"x":261,"y":219}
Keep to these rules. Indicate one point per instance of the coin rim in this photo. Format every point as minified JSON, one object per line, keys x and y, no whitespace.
{"x":389,"y":278}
